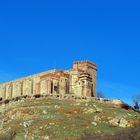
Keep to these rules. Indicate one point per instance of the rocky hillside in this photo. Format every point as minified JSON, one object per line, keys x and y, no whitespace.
{"x":54,"y":119}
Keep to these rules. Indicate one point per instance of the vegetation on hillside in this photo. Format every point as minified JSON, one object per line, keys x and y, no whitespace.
{"x":53,"y":119}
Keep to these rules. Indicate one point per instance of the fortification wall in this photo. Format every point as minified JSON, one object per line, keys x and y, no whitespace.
{"x":80,"y":81}
{"x":24,"y":86}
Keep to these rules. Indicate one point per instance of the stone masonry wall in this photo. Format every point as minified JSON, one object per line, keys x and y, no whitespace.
{"x":80,"y":80}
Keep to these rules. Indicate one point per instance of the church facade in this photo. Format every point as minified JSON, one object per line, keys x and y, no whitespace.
{"x":80,"y":81}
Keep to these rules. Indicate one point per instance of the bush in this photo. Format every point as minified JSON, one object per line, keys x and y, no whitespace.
{"x":6,"y":101}
{"x":9,"y":136}
{"x":37,"y":96}
{"x":126,"y":107}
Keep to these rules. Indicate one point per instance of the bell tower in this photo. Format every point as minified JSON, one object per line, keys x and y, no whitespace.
{"x":91,"y":70}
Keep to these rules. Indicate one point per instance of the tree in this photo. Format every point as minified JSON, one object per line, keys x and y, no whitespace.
{"x":136,"y":100}
{"x":100,"y":94}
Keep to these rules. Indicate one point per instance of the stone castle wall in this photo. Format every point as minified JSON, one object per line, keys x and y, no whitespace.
{"x":80,"y":81}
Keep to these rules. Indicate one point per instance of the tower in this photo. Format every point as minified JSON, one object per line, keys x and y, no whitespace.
{"x":89,"y":75}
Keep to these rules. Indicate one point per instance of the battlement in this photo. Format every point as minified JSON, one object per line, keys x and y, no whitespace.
{"x":85,"y":62}
{"x":84,"y":65}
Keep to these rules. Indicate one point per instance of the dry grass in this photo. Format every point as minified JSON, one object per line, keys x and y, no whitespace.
{"x":62,"y":119}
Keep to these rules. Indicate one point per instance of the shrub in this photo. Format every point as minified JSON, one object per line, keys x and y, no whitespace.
{"x":6,"y":101}
{"x":9,"y":136}
{"x":130,"y":134}
{"x":37,"y":96}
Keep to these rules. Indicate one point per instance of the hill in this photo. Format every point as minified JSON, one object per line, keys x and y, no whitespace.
{"x":59,"y":119}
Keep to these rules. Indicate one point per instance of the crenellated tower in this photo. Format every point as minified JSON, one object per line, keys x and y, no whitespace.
{"x":86,"y":72}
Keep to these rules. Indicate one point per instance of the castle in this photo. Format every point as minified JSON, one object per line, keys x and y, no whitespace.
{"x":80,"y":81}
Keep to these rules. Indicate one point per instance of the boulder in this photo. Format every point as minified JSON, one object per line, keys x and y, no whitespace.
{"x":90,"y":110}
{"x":119,"y":122}
{"x":44,"y":112}
{"x":123,"y":123}
{"x":98,"y":110}
{"x":94,"y":123}
{"x":114,"y":122}
{"x":97,"y":118}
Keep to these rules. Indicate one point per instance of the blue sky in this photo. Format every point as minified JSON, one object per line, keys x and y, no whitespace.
{"x":39,"y":35}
